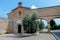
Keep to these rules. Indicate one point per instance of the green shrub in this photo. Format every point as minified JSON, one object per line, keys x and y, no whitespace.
{"x":53,"y":25}
{"x":58,"y":26}
{"x":41,"y":25}
{"x":30,"y":23}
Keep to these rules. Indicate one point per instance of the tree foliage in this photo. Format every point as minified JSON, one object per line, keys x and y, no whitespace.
{"x":29,"y":23}
{"x":41,"y":25}
{"x":53,"y":25}
{"x":58,"y":26}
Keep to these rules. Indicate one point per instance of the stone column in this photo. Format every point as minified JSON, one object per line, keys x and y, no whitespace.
{"x":15,"y":28}
{"x":22,"y":30}
{"x":48,"y":27}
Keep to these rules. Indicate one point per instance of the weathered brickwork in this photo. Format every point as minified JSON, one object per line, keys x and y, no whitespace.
{"x":3,"y":25}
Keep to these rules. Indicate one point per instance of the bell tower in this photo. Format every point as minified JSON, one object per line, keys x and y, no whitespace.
{"x":20,"y":4}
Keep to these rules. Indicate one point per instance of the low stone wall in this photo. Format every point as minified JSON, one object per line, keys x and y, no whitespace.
{"x":3,"y":25}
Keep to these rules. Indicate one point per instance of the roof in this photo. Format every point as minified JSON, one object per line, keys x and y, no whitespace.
{"x":34,"y":9}
{"x":49,"y":7}
{"x":20,"y":7}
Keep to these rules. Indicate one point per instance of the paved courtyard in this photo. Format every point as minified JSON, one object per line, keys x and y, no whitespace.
{"x":41,"y":36}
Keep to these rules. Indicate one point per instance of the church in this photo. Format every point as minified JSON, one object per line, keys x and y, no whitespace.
{"x":13,"y":24}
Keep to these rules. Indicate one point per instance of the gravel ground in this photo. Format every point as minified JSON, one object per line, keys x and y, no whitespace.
{"x":41,"y":36}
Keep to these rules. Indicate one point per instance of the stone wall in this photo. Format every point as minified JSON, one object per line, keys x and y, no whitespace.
{"x":3,"y":25}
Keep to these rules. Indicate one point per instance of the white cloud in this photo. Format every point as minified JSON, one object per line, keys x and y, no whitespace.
{"x":33,"y":7}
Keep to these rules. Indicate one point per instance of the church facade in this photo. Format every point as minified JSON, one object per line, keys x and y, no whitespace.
{"x":13,"y":24}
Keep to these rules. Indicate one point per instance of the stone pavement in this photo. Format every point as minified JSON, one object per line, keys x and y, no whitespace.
{"x":41,"y":36}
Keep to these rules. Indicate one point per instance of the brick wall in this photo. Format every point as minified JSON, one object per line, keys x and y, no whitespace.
{"x":3,"y":25}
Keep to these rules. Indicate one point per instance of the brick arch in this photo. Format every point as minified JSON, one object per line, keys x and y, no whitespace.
{"x":42,"y":19}
{"x":55,"y":18}
{"x":48,"y":19}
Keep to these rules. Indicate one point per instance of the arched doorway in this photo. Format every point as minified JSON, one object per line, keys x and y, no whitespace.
{"x":19,"y":28}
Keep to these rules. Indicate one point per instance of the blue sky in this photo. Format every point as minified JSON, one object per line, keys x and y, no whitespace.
{"x":7,"y":5}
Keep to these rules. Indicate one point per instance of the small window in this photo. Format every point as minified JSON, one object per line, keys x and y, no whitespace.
{"x":19,"y":13}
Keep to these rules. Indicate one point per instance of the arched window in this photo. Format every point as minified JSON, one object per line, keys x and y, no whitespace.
{"x":19,"y":13}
